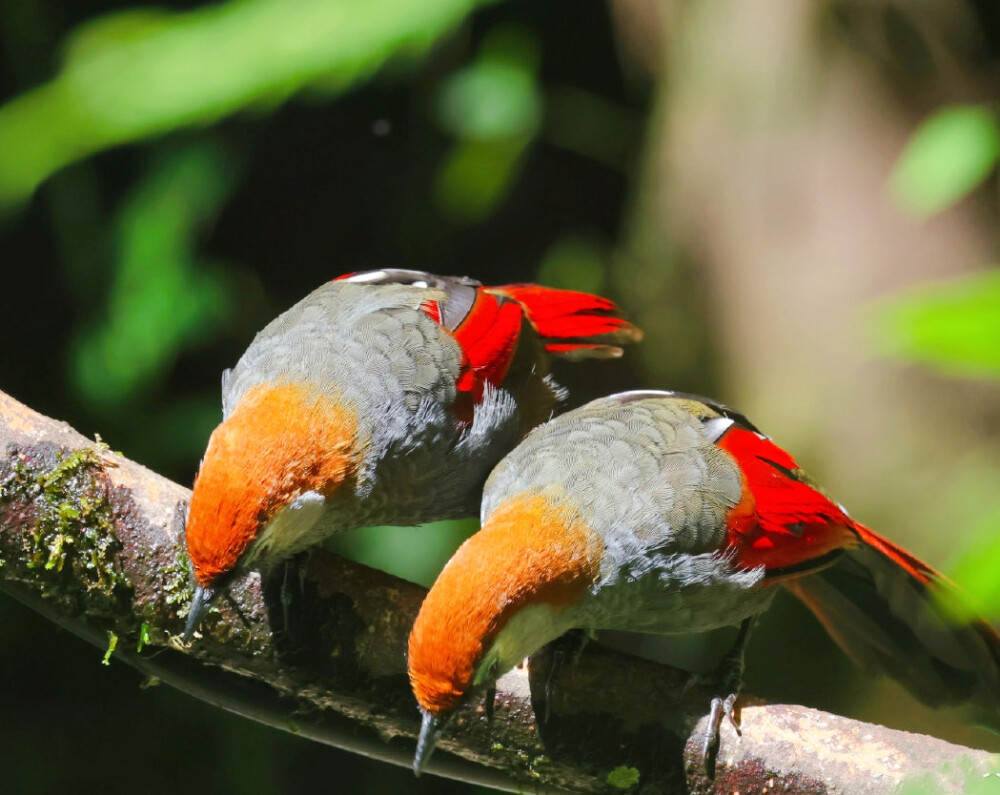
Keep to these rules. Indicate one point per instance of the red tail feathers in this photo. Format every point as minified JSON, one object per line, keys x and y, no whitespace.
{"x":893,"y":613}
{"x":572,"y":324}
{"x":887,"y":609}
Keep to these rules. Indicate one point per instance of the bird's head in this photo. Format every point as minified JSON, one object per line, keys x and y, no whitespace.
{"x":266,"y":475}
{"x":502,"y":596}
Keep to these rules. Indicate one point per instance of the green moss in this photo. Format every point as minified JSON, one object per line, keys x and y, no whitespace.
{"x":73,"y":532}
{"x":112,"y":645}
{"x":519,"y":760}
{"x":143,"y":636}
{"x":177,"y":579}
{"x":623,"y":777}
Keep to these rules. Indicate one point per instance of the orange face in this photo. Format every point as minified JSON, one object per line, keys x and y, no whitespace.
{"x":530,"y":552}
{"x":281,"y":441}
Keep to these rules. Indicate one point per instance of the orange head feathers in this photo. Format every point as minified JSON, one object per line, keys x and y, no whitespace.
{"x":280,"y":442}
{"x":530,"y":552}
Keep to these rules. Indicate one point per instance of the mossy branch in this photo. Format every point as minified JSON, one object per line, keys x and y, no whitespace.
{"x":94,"y":542}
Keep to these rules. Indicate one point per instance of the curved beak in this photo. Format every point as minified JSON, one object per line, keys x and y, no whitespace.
{"x":202,"y":596}
{"x":430,"y":730}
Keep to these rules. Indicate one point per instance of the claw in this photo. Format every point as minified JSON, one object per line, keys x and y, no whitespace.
{"x":727,"y":709}
{"x":728,"y":677}
{"x":721,"y":708}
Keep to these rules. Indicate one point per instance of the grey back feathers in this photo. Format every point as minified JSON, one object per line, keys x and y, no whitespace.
{"x":369,"y":346}
{"x":645,"y":473}
{"x":365,"y":342}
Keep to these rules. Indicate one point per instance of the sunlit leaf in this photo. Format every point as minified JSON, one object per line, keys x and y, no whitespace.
{"x":952,"y":326}
{"x":142,"y":74}
{"x":948,"y":156}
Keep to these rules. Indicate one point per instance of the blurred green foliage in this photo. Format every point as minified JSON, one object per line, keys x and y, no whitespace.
{"x":953,"y":327}
{"x":959,"y":775}
{"x":949,"y":155}
{"x":575,"y":262}
{"x":415,"y":554}
{"x":136,"y":74}
{"x":497,"y":96}
{"x":163,"y":295}
{"x":493,"y":108}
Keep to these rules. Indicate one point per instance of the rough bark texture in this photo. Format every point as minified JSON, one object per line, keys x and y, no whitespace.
{"x":94,"y":542}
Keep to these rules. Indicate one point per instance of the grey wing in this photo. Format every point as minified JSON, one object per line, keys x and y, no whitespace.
{"x":370,"y":342}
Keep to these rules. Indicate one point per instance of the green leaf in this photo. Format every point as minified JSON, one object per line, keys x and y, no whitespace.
{"x":951,"y":326}
{"x":143,"y":637}
{"x":137,"y":75}
{"x":623,"y":777}
{"x":948,"y":156}
{"x":112,"y":644}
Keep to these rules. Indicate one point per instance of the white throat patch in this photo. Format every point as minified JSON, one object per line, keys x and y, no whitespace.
{"x":288,"y":530}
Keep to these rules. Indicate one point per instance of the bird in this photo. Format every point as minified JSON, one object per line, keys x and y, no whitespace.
{"x":382,"y":397}
{"x":665,"y":513}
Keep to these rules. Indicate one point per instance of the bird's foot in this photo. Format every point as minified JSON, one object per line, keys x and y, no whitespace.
{"x":721,"y":708}
{"x":287,"y":596}
{"x":572,"y":645}
{"x":490,"y":701}
{"x":557,"y":659}
{"x":727,"y":678}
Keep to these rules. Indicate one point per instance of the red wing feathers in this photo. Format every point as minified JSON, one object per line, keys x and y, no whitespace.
{"x":489,"y":334}
{"x":914,"y":566}
{"x":570,"y":323}
{"x":487,"y":323}
{"x":783,"y":523}
{"x":794,"y":524}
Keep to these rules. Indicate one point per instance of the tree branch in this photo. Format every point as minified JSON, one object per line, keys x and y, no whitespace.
{"x":94,"y":542}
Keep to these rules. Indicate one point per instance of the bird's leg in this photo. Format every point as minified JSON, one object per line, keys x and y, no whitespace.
{"x":557,"y":657}
{"x":286,"y":594}
{"x":491,"y":697}
{"x":576,"y":640}
{"x":728,"y":680}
